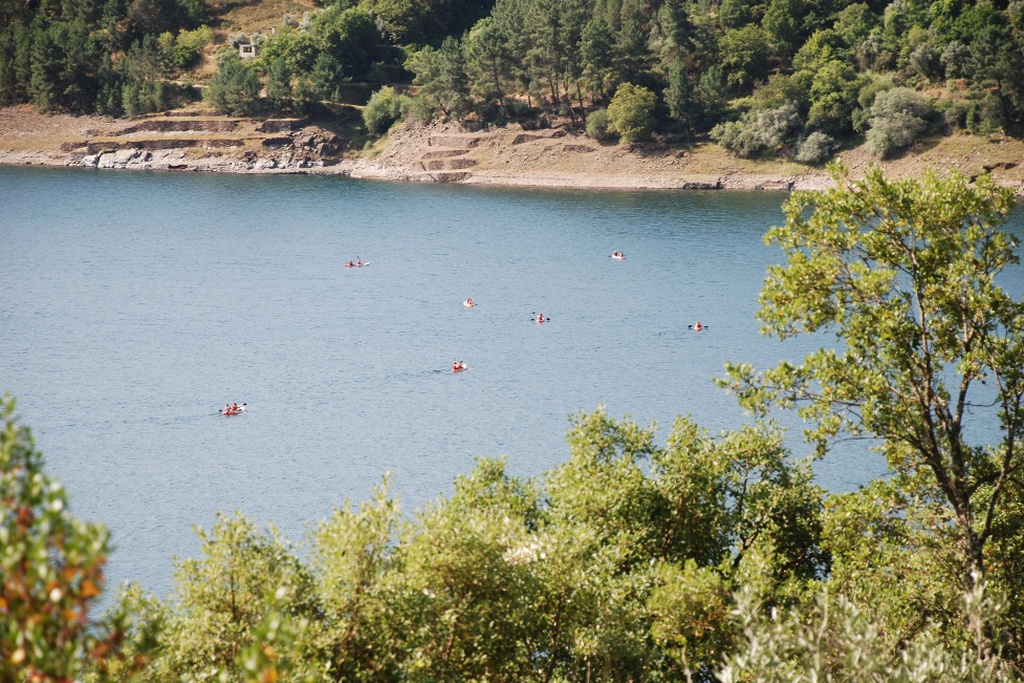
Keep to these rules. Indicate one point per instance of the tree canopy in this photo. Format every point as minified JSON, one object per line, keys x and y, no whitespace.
{"x":732,"y":66}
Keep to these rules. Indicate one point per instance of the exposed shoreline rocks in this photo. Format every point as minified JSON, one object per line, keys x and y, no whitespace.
{"x":560,"y":157}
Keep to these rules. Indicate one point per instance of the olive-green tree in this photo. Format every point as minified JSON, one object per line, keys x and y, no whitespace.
{"x":361,"y":633}
{"x":631,"y":113}
{"x":441,"y":75}
{"x":471,"y":600}
{"x":235,"y":88}
{"x":227,"y":604}
{"x":662,"y":535}
{"x":904,"y":274}
{"x":488,"y":61}
{"x":834,"y":640}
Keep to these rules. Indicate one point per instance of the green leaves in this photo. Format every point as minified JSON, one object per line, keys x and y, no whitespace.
{"x":904,"y":275}
{"x":631,"y":113}
{"x":622,"y":561}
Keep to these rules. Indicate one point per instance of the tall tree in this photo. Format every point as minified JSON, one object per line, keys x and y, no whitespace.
{"x":442,"y":75}
{"x":235,"y":89}
{"x":488,"y":61}
{"x":904,"y":274}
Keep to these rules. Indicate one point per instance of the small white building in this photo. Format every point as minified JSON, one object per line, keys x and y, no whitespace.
{"x":248,"y":50}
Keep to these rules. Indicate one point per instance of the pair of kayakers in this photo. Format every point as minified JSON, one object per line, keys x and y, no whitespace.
{"x":354,"y":264}
{"x":458,"y":366}
{"x":618,"y":255}
{"x":468,"y":303}
{"x":231,"y":409}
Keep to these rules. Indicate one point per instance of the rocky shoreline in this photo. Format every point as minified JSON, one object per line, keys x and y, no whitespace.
{"x":560,"y":157}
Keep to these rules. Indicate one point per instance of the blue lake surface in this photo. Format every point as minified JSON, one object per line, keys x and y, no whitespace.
{"x":133,"y":306}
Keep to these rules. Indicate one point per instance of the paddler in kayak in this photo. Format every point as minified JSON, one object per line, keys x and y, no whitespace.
{"x":468,"y":303}
{"x":540,"y":317}
{"x":698,"y":327}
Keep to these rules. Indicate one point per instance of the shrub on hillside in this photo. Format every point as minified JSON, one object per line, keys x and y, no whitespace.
{"x":816,"y":148}
{"x":235,"y":89}
{"x":955,"y":59}
{"x":597,"y":125}
{"x":421,"y":110}
{"x":183,"y":51}
{"x":759,"y":133}
{"x":631,"y":113}
{"x":866,"y":98}
{"x":899,"y":117}
{"x":384,"y":108}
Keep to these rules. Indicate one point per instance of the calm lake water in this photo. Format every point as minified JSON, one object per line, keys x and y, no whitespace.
{"x":134,"y":305}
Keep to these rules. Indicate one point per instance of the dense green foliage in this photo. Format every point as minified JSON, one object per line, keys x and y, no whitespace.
{"x":602,"y":565}
{"x":791,"y":71}
{"x":383,"y":109}
{"x":236,"y":87}
{"x":904,"y":274}
{"x":631,"y":113}
{"x":711,"y":557}
{"x":89,"y":56}
{"x":780,"y":77}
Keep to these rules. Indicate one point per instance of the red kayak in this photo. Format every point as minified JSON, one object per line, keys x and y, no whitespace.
{"x":233,"y":410}
{"x":458,"y":366}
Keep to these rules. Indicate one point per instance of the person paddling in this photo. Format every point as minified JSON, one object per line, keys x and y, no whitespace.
{"x":698,"y":327}
{"x":468,"y":303}
{"x":540,"y":317}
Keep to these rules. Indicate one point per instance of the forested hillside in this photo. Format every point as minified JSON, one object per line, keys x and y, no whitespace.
{"x":795,"y":77}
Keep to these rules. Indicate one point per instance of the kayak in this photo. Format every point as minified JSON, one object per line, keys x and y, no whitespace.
{"x":619,"y":257}
{"x":356,"y":265}
{"x":458,"y":367}
{"x":229,"y":411}
{"x":468,"y":303}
